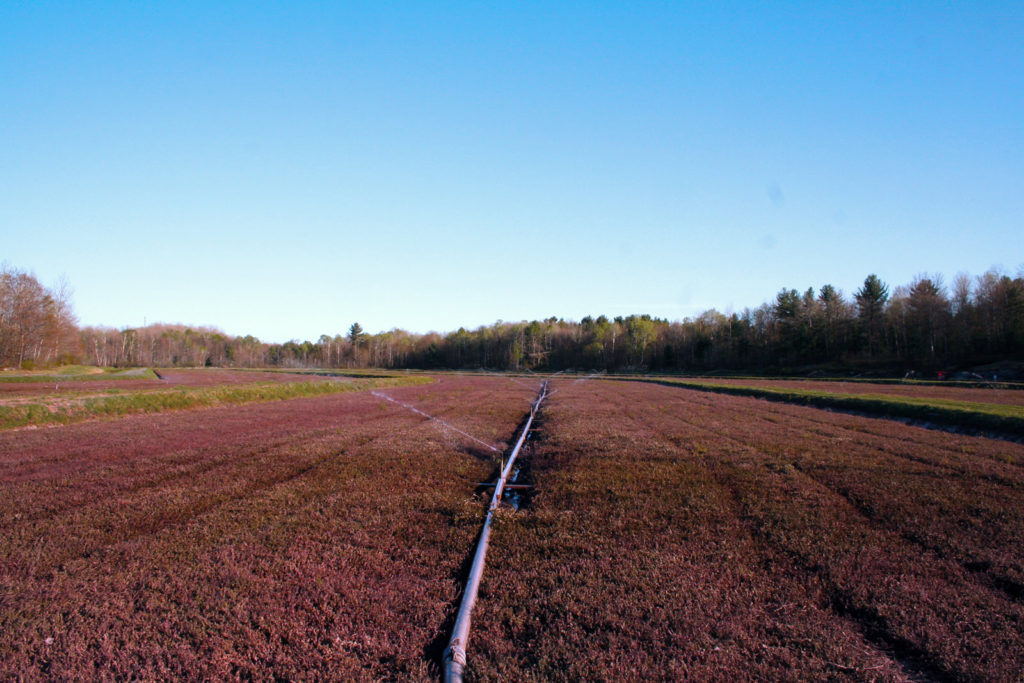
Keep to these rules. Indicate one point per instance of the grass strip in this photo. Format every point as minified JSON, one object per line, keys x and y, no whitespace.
{"x":26,"y":414}
{"x":330,"y":372}
{"x":956,"y":383}
{"x":74,"y":376}
{"x":989,"y":417}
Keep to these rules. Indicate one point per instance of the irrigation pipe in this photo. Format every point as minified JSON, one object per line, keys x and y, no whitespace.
{"x":455,"y":653}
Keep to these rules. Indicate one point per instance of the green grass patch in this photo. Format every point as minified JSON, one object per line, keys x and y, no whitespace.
{"x":957,"y":383}
{"x":375,"y":373}
{"x":64,"y":412}
{"x":969,"y":414}
{"x":79,"y":373}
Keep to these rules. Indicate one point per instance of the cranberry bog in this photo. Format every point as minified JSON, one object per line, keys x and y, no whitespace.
{"x":989,"y":411}
{"x":1005,"y":394}
{"x":677,"y":534}
{"x":670,"y":534}
{"x":268,"y":540}
{"x":36,"y":403}
{"x":141,"y":379}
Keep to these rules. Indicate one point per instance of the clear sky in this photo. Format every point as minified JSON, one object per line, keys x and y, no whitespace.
{"x":284,"y":169}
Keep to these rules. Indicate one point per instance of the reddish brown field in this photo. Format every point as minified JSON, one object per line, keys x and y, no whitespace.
{"x":206,"y":377}
{"x":272,"y":540}
{"x":967,"y":394}
{"x":683,"y":535}
{"x":673,"y":535}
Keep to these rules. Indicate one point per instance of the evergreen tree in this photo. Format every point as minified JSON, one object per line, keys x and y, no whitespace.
{"x":355,"y":334}
{"x":871,"y":298}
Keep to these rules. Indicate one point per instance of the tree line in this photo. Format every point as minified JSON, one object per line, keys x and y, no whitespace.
{"x":921,"y":326}
{"x":37,"y":325}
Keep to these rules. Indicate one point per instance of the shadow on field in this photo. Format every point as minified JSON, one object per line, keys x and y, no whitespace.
{"x":477,"y":453}
{"x":354,"y":375}
{"x":915,"y":661}
{"x":1013,"y":589}
{"x":483,"y":490}
{"x":522,"y":499}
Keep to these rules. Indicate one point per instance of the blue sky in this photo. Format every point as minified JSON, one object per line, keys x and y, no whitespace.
{"x":284,"y":169}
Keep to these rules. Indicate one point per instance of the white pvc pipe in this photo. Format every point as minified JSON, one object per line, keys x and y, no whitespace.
{"x":455,"y":653}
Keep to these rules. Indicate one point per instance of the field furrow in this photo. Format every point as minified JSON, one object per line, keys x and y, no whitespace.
{"x":945,"y":498}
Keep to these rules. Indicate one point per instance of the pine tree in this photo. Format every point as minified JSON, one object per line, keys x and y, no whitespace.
{"x":871,"y":298}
